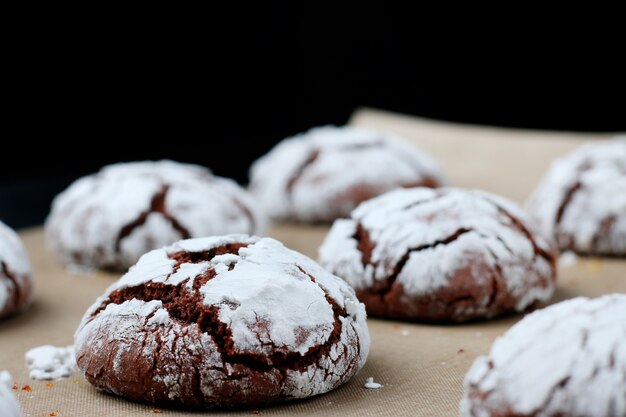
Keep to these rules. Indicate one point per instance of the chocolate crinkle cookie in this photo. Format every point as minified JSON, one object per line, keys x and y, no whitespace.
{"x":231,"y":321}
{"x":581,"y":201}
{"x":16,"y":279}
{"x":440,"y":255}
{"x":321,"y":175}
{"x":109,"y":219}
{"x":565,"y":360}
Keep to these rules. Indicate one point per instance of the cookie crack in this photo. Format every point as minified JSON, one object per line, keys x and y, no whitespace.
{"x":364,"y":244}
{"x":297,"y":174}
{"x":567,"y":198}
{"x":157,"y":205}
{"x":384,"y":289}
{"x":603,"y":230}
{"x":183,"y":257}
{"x":517,"y":224}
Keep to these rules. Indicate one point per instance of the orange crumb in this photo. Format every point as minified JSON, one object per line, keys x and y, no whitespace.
{"x":156,"y":411}
{"x":49,"y":385}
{"x":15,"y":387}
{"x":461,"y":350}
{"x":27,"y":388}
{"x":53,"y":414}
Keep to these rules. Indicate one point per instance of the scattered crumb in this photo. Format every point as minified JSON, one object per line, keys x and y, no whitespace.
{"x":27,"y":388}
{"x":461,"y":350}
{"x":15,"y":387}
{"x":49,"y":385}
{"x":370,"y":384}
{"x":255,"y":412}
{"x":53,"y":414}
{"x":51,"y":362}
{"x":567,"y":259}
{"x":156,"y":411}
{"x":405,"y":332}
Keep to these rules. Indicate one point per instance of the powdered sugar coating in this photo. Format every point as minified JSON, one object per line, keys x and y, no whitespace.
{"x":421,"y":238}
{"x":566,"y":360}
{"x":324,"y":173}
{"x":8,"y":403}
{"x":272,"y":301}
{"x":50,"y":362}
{"x":581,"y":201}
{"x":15,"y":273}
{"x":110,"y":219}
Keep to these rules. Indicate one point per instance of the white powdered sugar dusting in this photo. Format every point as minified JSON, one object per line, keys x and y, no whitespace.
{"x":8,"y":403}
{"x":271,"y":298}
{"x":50,"y":362}
{"x":370,"y":384}
{"x":305,"y":177}
{"x":582,"y":193}
{"x":568,"y":359}
{"x":473,"y":225}
{"x":14,"y":259}
{"x":109,"y":219}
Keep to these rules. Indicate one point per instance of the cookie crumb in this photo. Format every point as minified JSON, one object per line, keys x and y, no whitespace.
{"x":49,"y":385}
{"x":255,"y":412}
{"x":53,"y":414}
{"x":461,"y":350}
{"x":50,"y":362}
{"x":27,"y":388}
{"x":15,"y":387}
{"x":156,"y":411}
{"x":370,"y":384}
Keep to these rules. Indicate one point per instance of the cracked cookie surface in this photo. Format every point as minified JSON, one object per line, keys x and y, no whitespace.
{"x":323,"y":174}
{"x":568,"y":359}
{"x":581,"y":201}
{"x":440,"y":255}
{"x":228,"y":321}
{"x":109,"y":219}
{"x":16,"y":280}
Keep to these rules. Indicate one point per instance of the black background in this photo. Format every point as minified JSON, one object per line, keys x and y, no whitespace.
{"x":80,"y":96}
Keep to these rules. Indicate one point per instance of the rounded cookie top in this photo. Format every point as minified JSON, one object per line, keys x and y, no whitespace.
{"x":323,"y":174}
{"x":566,"y":360}
{"x":581,"y":201}
{"x":230,"y":320}
{"x":109,"y":219}
{"x":16,"y":281}
{"x":440,"y":255}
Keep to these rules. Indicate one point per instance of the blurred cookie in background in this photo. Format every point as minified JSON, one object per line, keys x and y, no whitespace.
{"x":321,"y":175}
{"x":16,"y":279}
{"x":581,"y":201}
{"x":109,"y":219}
